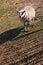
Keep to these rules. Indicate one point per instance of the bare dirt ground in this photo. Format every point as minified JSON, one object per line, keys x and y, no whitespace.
{"x":16,"y":46}
{"x":23,"y":50}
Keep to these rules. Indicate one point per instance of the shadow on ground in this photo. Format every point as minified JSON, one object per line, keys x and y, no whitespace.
{"x":13,"y":34}
{"x":9,"y":35}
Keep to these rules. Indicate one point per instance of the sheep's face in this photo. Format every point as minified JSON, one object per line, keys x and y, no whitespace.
{"x":21,"y":14}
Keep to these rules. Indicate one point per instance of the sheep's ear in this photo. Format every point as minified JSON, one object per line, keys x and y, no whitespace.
{"x":17,"y":9}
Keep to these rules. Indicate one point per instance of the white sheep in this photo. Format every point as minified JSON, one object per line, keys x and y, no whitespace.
{"x":27,"y":14}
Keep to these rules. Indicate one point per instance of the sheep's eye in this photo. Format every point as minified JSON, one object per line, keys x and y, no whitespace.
{"x":23,"y":12}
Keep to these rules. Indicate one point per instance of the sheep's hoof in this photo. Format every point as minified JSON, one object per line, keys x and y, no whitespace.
{"x":25,"y":29}
{"x":28,"y":29}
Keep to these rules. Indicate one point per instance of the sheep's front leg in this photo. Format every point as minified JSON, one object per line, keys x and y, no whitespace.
{"x":25,"y":26}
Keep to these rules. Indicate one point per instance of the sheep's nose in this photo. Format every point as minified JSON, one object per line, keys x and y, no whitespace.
{"x":20,"y":16}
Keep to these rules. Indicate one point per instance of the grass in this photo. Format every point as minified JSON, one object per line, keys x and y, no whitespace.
{"x":3,"y":11}
{"x":10,"y":20}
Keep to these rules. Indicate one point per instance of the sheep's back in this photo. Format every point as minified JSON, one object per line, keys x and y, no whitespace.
{"x":29,"y":13}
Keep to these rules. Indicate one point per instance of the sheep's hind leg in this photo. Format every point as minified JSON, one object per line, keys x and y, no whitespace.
{"x":33,"y":21}
{"x":28,"y":29}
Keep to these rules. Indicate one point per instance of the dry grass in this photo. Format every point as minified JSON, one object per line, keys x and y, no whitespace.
{"x":8,"y":15}
{"x":14,"y":43}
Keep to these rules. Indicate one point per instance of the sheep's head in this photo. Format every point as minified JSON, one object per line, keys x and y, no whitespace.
{"x":21,"y":13}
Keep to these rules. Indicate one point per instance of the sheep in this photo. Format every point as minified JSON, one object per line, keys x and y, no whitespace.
{"x":27,"y":14}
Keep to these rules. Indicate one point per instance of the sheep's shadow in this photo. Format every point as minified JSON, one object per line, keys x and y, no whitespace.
{"x":9,"y":35}
{"x":13,"y":34}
